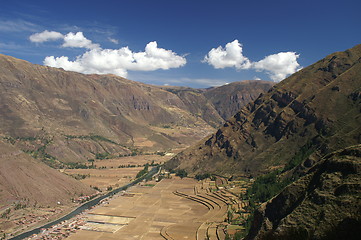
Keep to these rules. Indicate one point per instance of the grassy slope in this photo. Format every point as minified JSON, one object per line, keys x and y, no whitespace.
{"x":24,"y":178}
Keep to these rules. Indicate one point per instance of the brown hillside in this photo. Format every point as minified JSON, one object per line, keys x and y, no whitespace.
{"x":82,"y":115}
{"x":198,"y":104}
{"x":23,"y":178}
{"x":316,"y":109}
{"x":69,"y":108}
{"x":324,"y":204}
{"x":229,"y":99}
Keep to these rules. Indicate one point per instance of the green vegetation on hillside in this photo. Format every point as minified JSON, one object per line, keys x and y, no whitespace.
{"x":300,"y":156}
{"x":268,"y":185}
{"x":39,"y":149}
{"x":265,"y":187}
{"x":202,"y":176}
{"x":91,"y":137}
{"x":181,"y":173}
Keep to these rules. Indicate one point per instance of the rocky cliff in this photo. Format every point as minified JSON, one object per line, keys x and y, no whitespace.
{"x":323,"y":204}
{"x":316,"y":110}
{"x":230,"y":98}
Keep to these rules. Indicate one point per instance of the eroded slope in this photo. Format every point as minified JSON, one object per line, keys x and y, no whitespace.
{"x":324,"y":204}
{"x":317,"y":108}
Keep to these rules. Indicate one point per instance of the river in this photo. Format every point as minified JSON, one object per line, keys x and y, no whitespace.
{"x":84,"y":207}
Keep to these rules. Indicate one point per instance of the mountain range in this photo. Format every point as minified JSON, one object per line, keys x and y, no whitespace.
{"x":313,"y":112}
{"x":301,"y":140}
{"x":78,"y":116}
{"x":306,"y":128}
{"x":63,"y":118}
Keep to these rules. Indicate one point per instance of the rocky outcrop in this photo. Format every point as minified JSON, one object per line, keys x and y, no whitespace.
{"x":231,"y":98}
{"x":319,"y":104}
{"x":323,"y":204}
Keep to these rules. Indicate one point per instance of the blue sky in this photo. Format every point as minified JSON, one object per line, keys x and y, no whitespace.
{"x":250,"y":39}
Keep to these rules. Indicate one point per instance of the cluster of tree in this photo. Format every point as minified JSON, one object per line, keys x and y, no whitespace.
{"x":129,"y":166}
{"x":138,"y":165}
{"x":160,"y":153}
{"x":104,"y":155}
{"x":80,"y":176}
{"x":20,"y":206}
{"x":181,"y":173}
{"x":143,"y":171}
{"x":76,"y":165}
{"x":300,"y":156}
{"x":269,"y":185}
{"x":266,"y":186}
{"x":13,"y":140}
{"x":203,"y":176}
{"x":92,"y":137}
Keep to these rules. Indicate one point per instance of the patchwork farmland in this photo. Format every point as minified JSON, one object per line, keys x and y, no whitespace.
{"x":171,"y":209}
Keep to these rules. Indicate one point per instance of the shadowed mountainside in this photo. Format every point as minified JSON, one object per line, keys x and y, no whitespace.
{"x":229,"y":99}
{"x":316,"y":110}
{"x":323,"y":204}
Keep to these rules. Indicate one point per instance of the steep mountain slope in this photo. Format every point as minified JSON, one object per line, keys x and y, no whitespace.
{"x":229,"y":99}
{"x":69,"y":109}
{"x":198,"y":104}
{"x":72,"y":117}
{"x":316,"y":110}
{"x":24,"y":178}
{"x":324,"y":204}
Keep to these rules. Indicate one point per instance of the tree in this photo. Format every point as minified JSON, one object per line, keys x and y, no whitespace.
{"x":181,"y":173}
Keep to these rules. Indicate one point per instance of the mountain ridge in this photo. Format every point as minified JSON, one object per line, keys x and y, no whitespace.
{"x":297,"y":112}
{"x":323,"y":204}
{"x":24,"y":178}
{"x":69,"y":108}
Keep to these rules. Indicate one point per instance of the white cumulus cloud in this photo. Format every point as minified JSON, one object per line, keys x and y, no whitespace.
{"x":45,"y":36}
{"x":73,"y":40}
{"x":230,"y":56}
{"x":277,"y":66}
{"x":63,"y":62}
{"x":78,"y":40}
{"x":154,"y":58}
{"x":119,"y":61}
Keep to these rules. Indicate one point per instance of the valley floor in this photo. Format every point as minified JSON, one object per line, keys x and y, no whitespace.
{"x":153,"y":212}
{"x":170,"y":209}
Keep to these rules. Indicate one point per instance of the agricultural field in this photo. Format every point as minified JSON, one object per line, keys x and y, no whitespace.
{"x":153,"y":211}
{"x":115,"y":172}
{"x":173,"y":208}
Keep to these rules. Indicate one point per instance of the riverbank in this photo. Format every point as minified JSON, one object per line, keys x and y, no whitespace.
{"x":83,"y":207}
